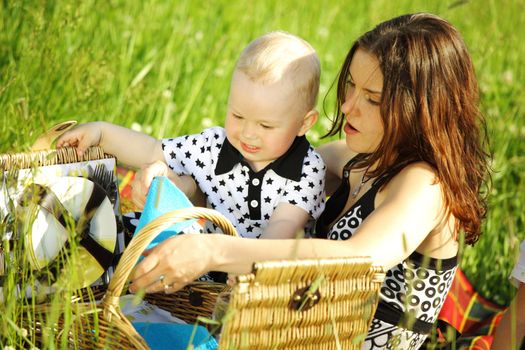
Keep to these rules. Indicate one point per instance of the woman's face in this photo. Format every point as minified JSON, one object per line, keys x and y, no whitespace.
{"x":364,"y":127}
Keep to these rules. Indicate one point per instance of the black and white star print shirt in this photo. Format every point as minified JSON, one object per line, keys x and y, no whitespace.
{"x":245,"y":197}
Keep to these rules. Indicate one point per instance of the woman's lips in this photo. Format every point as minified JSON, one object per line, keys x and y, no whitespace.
{"x":349,"y":129}
{"x":248,"y":148}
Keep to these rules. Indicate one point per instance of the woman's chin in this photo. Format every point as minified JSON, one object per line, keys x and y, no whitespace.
{"x":350,"y":143}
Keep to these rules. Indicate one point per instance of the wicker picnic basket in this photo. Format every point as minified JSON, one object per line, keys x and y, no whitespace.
{"x":296,"y":304}
{"x":193,"y":301}
{"x":303,"y":304}
{"x":197,"y":299}
{"x":91,"y":325}
{"x":15,"y":161}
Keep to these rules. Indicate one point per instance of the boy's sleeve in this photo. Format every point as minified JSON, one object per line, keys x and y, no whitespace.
{"x":308,"y":193}
{"x":518,"y":273}
{"x":184,"y":154}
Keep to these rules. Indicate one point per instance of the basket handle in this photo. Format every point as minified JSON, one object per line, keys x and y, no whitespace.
{"x":141,"y":240}
{"x":44,"y":141}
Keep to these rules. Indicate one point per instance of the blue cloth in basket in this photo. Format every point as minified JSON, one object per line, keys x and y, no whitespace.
{"x":163,"y":197}
{"x":163,"y":336}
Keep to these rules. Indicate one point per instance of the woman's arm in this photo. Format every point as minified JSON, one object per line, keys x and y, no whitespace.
{"x":335,"y":154}
{"x":409,"y":210}
{"x":511,"y":330}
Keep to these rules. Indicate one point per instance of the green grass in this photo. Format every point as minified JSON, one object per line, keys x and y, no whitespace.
{"x":165,"y":66}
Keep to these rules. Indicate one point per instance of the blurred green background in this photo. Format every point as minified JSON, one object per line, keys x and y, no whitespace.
{"x":164,"y":67}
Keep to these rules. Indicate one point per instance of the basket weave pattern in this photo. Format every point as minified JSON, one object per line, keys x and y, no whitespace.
{"x":260,"y":315}
{"x":191,"y":302}
{"x":68,"y":319}
{"x":13,"y":161}
{"x":103,"y":326}
{"x":47,"y":321}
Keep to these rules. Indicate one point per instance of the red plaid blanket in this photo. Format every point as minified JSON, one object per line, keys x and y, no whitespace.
{"x":467,"y":320}
{"x":125,"y":177}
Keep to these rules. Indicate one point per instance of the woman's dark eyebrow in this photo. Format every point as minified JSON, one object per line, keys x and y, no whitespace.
{"x":374,"y":92}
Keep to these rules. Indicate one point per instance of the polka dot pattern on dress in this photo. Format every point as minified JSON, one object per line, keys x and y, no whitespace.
{"x":415,"y":286}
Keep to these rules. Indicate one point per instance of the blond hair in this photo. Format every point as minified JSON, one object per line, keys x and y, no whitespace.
{"x":280,"y":56}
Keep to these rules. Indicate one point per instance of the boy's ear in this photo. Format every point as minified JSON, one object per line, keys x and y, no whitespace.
{"x":309,"y":120}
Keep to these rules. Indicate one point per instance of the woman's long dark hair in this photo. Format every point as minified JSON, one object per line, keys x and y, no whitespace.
{"x":430,"y":112}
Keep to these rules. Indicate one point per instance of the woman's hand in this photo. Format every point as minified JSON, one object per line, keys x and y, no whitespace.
{"x":142,"y":181}
{"x":173,"y":264}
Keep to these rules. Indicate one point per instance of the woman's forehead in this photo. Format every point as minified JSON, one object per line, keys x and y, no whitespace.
{"x":366,"y":72}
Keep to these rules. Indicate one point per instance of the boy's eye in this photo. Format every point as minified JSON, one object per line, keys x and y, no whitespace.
{"x":236,"y":116}
{"x":266,"y":126}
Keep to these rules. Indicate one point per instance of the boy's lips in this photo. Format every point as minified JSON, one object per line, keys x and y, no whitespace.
{"x":248,"y":148}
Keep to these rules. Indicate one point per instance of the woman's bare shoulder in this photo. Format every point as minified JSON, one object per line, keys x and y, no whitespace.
{"x":416,"y":182}
{"x":417,"y":173}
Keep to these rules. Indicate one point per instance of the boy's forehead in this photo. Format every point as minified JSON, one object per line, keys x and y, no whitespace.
{"x":280,"y":95}
{"x":284,"y":80}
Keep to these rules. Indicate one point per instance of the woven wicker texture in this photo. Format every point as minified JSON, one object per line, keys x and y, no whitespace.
{"x":191,"y":302}
{"x":68,"y":319}
{"x":13,"y":161}
{"x":195,"y":300}
{"x":87,"y":325}
{"x":303,"y":304}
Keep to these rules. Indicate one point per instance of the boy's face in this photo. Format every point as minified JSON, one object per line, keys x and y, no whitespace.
{"x":263,"y":120}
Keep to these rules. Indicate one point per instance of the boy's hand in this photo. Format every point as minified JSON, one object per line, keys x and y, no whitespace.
{"x":81,"y":137}
{"x":231,"y":280}
{"x":142,"y":181}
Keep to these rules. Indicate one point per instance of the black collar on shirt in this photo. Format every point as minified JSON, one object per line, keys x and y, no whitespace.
{"x":289,"y":165}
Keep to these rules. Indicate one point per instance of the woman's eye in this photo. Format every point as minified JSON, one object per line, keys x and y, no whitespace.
{"x":372,"y":101}
{"x":350,"y":87}
{"x":237,"y":116}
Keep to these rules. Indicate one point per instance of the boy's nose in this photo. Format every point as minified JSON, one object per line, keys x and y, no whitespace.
{"x":248,"y":131}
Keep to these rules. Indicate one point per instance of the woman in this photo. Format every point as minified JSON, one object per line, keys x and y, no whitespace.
{"x":404,"y":184}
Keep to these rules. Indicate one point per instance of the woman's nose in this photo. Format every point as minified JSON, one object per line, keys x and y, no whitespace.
{"x":350,"y":103}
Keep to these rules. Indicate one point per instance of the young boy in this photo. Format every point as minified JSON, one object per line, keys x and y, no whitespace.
{"x":511,"y":330}
{"x":259,"y":170}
